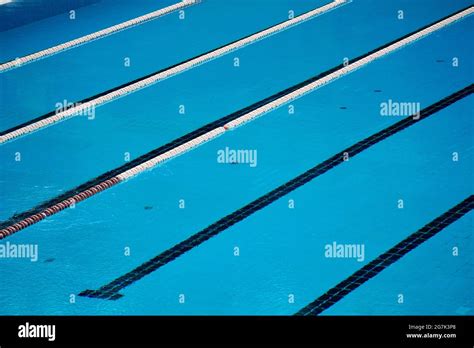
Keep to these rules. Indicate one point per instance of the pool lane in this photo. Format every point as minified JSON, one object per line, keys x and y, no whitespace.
{"x":96,"y":252}
{"x":282,"y":250}
{"x":328,"y":36}
{"x":26,"y":59}
{"x":130,"y":87}
{"x":111,"y":290}
{"x":433,"y":279}
{"x":48,"y":32}
{"x":76,"y":79}
{"x":217,"y":128}
{"x":85,"y":153}
{"x":92,"y":68}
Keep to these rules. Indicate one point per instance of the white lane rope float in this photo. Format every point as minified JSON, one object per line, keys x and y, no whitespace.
{"x":179,"y":150}
{"x":15,"y":63}
{"x":150,"y":80}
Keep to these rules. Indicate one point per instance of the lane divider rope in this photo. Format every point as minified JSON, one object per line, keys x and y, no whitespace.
{"x":56,"y":208}
{"x":54,"y":117}
{"x":347,"y":69}
{"x":15,"y":63}
{"x":188,"y":145}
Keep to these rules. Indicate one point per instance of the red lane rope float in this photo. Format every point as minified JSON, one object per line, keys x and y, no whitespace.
{"x":56,"y":208}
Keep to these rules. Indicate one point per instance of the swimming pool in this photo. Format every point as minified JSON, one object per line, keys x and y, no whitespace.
{"x":282,"y":215}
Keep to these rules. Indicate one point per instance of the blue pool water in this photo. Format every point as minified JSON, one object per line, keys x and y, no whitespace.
{"x":281,"y":249}
{"x":21,"y":12}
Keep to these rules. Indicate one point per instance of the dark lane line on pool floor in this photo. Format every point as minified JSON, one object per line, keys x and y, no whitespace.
{"x":110,"y":291}
{"x":206,"y":133}
{"x":87,"y":104}
{"x":383,"y":261}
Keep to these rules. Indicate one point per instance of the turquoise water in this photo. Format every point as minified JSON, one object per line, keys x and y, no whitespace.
{"x":451,"y":277}
{"x":281,"y":249}
{"x":22,"y":12}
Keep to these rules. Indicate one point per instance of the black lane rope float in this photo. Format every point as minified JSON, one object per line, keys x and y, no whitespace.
{"x":111,"y":290}
{"x":335,"y":294}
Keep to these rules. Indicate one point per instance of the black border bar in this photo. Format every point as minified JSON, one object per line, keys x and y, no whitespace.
{"x":191,"y":330}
